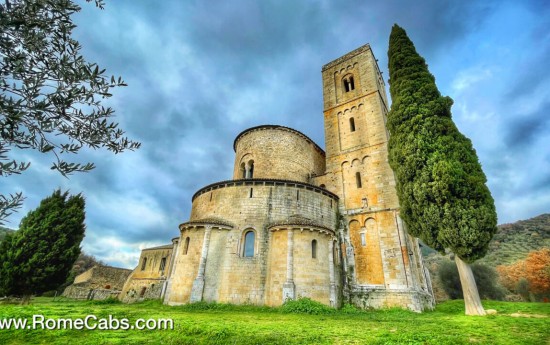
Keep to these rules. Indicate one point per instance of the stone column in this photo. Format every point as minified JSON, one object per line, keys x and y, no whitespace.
{"x":331,"y":273}
{"x":198,"y":283}
{"x":165,"y":294}
{"x":289,"y":290}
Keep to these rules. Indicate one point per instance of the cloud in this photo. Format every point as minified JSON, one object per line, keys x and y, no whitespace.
{"x":199,"y":73}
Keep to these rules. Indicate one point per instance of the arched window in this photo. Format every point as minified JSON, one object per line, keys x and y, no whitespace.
{"x":143,"y":264}
{"x":352,"y":124}
{"x":243,"y":170}
{"x":186,"y":246}
{"x":251,"y":169}
{"x":248,"y":248}
{"x":314,"y":249}
{"x":358,"y":179}
{"x":348,"y":83}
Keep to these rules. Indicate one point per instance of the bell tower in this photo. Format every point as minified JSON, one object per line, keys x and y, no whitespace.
{"x":381,"y":262}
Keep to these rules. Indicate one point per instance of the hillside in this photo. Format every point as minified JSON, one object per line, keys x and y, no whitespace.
{"x":4,"y":231}
{"x":513,"y":242}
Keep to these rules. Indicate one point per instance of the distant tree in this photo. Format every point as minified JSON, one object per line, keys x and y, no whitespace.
{"x":440,"y":183}
{"x":39,"y":256}
{"x":537,"y":272}
{"x":84,"y":263}
{"x":510,"y":275}
{"x":485,"y":276}
{"x":51,"y":98}
{"x":522,"y":288}
{"x":532,"y":273}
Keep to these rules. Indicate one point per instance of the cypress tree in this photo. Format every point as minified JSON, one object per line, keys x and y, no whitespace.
{"x":440,"y":183}
{"x":39,"y":256}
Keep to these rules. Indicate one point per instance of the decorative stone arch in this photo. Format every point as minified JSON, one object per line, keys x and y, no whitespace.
{"x":355,"y":162}
{"x":206,"y":225}
{"x":375,"y":267}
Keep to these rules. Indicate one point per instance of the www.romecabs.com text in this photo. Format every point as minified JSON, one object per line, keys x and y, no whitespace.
{"x":89,"y":322}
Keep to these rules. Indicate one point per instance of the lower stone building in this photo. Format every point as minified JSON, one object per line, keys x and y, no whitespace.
{"x":298,"y":221}
{"x":148,"y":279}
{"x":97,"y":283}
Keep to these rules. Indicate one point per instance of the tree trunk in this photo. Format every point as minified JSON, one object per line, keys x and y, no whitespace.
{"x":25,"y":299}
{"x":469,"y":288}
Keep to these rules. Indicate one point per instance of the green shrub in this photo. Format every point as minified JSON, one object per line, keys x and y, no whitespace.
{"x":350,"y":309}
{"x":306,"y":305}
{"x":486,"y":280}
{"x":522,"y":288}
{"x":108,"y":300}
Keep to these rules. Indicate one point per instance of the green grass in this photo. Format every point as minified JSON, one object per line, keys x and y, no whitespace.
{"x":226,"y":324}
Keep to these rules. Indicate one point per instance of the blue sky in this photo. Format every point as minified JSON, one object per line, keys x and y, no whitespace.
{"x":200,"y":72}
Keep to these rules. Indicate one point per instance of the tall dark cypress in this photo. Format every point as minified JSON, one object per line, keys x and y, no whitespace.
{"x":39,"y":256}
{"x":440,"y":184}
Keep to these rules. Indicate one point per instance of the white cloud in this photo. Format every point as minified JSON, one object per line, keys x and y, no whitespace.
{"x":471,"y":76}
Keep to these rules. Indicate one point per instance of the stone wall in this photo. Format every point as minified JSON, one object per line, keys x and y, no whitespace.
{"x":99,"y":282}
{"x":83,"y":292}
{"x":417,"y":301}
{"x":278,"y":153}
{"x":256,"y":206}
{"x":148,"y":279}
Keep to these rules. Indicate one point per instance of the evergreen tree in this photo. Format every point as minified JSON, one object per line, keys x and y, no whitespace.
{"x":440,"y":183}
{"x":39,"y":256}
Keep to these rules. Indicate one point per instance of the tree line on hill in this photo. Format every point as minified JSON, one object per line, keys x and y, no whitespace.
{"x":515,"y":268}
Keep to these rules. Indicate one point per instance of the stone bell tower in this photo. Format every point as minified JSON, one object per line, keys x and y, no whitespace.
{"x":381,"y":263}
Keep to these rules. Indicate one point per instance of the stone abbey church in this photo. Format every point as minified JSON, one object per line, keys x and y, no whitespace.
{"x":297,"y":221}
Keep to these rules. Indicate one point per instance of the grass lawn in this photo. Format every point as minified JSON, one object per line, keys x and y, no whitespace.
{"x":223,"y":324}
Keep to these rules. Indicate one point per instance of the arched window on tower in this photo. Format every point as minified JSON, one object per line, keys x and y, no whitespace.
{"x":352,"y":124}
{"x":251,"y":169}
{"x":248,"y":248}
{"x":243,"y":170}
{"x":348,"y":83}
{"x":314,"y":249}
